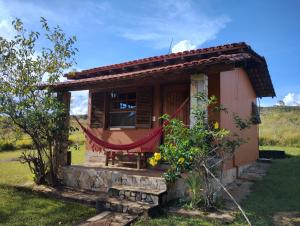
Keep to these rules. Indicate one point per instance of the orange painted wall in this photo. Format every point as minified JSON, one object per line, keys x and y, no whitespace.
{"x":237,"y":94}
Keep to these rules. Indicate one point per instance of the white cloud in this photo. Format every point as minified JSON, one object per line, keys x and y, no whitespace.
{"x":79,"y":102}
{"x":179,"y":20}
{"x":154,"y":22}
{"x":6,"y":30}
{"x":183,"y":46}
{"x":292,"y":99}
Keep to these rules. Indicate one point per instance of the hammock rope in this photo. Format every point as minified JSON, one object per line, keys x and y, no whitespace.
{"x":98,"y":144}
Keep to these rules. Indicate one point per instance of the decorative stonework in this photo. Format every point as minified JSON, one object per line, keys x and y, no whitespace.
{"x":139,"y":195}
{"x":98,"y":179}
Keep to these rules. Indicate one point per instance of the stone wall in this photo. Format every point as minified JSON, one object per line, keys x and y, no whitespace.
{"x":98,"y":179}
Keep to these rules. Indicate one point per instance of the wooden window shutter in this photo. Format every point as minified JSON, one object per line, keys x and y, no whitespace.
{"x":144,"y":102}
{"x":255,"y":116}
{"x":97,"y":110}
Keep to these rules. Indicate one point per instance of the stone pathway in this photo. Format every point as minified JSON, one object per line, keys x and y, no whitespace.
{"x":113,"y":211}
{"x":224,"y":217}
{"x":241,"y":187}
{"x":108,"y":218}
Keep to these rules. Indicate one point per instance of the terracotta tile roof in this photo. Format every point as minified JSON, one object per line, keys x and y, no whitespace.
{"x":152,"y":61}
{"x":236,"y":54}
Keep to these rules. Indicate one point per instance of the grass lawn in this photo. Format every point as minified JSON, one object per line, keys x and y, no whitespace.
{"x":20,"y":207}
{"x":174,"y":221}
{"x":25,"y":208}
{"x":278,"y":191}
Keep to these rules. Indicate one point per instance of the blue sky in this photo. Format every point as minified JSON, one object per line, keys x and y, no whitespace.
{"x":115,"y":31}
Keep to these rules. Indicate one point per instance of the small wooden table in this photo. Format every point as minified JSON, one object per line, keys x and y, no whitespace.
{"x":141,"y":159}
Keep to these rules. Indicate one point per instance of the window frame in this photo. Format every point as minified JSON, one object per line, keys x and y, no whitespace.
{"x":112,"y":110}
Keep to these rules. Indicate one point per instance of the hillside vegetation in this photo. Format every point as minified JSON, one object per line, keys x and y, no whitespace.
{"x":280,"y":126}
{"x":12,"y":138}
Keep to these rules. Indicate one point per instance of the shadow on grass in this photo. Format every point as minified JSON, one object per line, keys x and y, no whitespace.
{"x":278,"y":191}
{"x":21,"y":206}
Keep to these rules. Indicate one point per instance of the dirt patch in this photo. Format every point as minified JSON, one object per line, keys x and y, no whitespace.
{"x":287,"y":218}
{"x":240,"y":189}
{"x":9,"y":160}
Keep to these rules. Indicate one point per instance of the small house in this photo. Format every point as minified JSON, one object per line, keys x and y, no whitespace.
{"x":127,"y":99}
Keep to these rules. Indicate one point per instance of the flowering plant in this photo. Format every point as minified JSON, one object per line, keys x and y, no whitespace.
{"x":199,"y":147}
{"x":155,"y":159}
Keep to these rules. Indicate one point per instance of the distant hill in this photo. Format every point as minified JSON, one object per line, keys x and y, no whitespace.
{"x":280,"y":126}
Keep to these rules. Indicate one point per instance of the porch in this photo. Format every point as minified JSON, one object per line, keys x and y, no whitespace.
{"x":124,"y":176}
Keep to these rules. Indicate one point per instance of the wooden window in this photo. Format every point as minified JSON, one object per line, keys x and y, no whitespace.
{"x":97,"y":110}
{"x":255,"y":116}
{"x":122,"y":110}
{"x":144,"y":103}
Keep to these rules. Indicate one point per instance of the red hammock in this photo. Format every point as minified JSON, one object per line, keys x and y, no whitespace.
{"x":153,"y":136}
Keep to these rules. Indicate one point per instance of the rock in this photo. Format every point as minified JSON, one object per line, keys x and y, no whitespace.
{"x":287,"y":219}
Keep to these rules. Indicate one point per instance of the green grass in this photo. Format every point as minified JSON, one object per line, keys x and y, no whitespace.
{"x":78,"y":156}
{"x":169,"y":220}
{"x":7,"y":155}
{"x":16,"y":173}
{"x":18,"y":207}
{"x":278,"y":191}
{"x":280,"y":126}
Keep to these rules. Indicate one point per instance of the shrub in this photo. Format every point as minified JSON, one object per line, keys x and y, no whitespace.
{"x":7,"y":147}
{"x":204,"y":147}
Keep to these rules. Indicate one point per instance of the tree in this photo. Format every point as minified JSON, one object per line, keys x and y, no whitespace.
{"x":280,"y":103}
{"x":38,"y":113}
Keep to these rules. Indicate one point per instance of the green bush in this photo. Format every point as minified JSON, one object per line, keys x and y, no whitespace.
{"x":7,"y":146}
{"x":26,"y":146}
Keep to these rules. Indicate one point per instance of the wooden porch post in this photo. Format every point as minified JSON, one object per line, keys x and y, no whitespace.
{"x":199,"y":83}
{"x":61,"y":146}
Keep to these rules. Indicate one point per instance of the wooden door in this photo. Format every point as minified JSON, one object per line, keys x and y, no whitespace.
{"x":173,"y":97}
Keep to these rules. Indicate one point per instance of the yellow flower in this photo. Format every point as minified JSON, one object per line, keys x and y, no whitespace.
{"x":157,"y":156}
{"x":181,"y":160}
{"x":216,"y":125}
{"x":152,"y":161}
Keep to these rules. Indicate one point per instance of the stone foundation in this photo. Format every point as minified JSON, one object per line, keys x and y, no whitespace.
{"x":230,"y":175}
{"x":99,"y":179}
{"x":133,"y":185}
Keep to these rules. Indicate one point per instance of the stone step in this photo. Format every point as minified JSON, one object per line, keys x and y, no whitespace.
{"x":111,"y":219}
{"x":126,"y":206}
{"x":100,"y":200}
{"x":139,"y":194}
